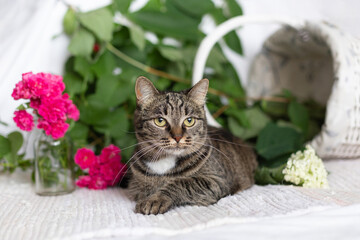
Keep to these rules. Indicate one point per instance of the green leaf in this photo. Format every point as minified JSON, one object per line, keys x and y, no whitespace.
{"x":265,"y":175}
{"x":5,"y":146}
{"x":122,"y":5}
{"x":162,"y":84}
{"x":233,"y":42}
{"x":167,"y":24}
{"x":74,"y":84}
{"x":257,"y":121}
{"x":110,"y":91}
{"x":275,"y":141}
{"x":231,"y":39}
{"x":171,"y":53}
{"x":153,"y":5}
{"x":137,"y":36}
{"x":83,"y":67}
{"x":276,"y":109}
{"x":93,"y":112}
{"x":193,"y":8}
{"x":299,"y":115}
{"x":240,"y":116}
{"x":126,"y":145}
{"x":234,"y":8}
{"x":69,"y":22}
{"x":100,"y":22}
{"x":105,"y":65}
{"x":79,"y":131}
{"x":216,"y":59}
{"x":82,"y":43}
{"x":21,"y":107}
{"x":116,"y":124}
{"x":16,"y":140}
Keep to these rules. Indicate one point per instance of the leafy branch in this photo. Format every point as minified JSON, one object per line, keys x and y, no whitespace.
{"x":107,"y":58}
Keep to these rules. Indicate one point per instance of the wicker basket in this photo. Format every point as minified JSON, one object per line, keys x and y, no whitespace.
{"x":313,"y":60}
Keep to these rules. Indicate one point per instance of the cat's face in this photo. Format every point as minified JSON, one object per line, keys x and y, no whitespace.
{"x":173,"y":123}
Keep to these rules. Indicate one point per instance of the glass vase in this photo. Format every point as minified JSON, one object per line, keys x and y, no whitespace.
{"x":54,"y":166}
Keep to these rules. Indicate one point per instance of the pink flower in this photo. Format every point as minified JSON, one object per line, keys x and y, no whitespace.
{"x":45,"y":93}
{"x":57,"y":84}
{"x":73,"y":112}
{"x":85,"y":158}
{"x":24,"y":120}
{"x":94,"y":169}
{"x":83,"y":181}
{"x":35,"y":103}
{"x":52,"y":110}
{"x":110,"y":153}
{"x":104,"y":170}
{"x":37,"y":84}
{"x":97,"y":183}
{"x":58,"y":129}
{"x":113,"y":172}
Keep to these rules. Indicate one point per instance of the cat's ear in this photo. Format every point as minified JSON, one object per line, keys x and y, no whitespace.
{"x":144,"y":89}
{"x":198,"y":92}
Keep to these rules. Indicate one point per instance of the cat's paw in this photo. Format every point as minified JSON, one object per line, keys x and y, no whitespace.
{"x":155,"y":204}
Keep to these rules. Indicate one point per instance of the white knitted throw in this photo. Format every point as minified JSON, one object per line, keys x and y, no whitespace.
{"x":87,"y":214}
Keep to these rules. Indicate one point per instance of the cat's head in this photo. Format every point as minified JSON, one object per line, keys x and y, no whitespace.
{"x":172,"y":122}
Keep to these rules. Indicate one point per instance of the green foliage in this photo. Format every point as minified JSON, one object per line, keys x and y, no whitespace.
{"x":69,"y":22}
{"x":10,"y":158}
{"x":99,"y":21}
{"x":82,"y":43}
{"x":275,"y":141}
{"x":102,"y":82}
{"x":265,"y":175}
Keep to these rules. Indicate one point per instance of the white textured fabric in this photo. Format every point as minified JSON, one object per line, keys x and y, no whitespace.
{"x":89,"y":214}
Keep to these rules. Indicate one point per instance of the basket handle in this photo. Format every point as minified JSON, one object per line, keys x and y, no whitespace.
{"x":220,"y":31}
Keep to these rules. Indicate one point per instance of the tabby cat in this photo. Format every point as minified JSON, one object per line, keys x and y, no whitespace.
{"x":179,"y":160}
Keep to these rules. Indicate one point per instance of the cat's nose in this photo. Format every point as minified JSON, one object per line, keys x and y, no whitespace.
{"x":177,"y":138}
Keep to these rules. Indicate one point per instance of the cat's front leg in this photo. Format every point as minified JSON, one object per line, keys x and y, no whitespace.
{"x":185,"y":191}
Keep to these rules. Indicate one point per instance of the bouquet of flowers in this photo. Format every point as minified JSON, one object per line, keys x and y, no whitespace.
{"x":51,"y":107}
{"x":47,"y":107}
{"x":104,"y":170}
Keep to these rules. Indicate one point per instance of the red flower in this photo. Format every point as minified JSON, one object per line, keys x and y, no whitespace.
{"x":45,"y":93}
{"x":110,"y":153}
{"x":104,"y":170}
{"x":83,"y":181}
{"x":85,"y":158}
{"x":97,"y":183}
{"x":24,"y":120}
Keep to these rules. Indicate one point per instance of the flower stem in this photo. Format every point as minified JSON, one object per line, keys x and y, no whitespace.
{"x":160,"y":73}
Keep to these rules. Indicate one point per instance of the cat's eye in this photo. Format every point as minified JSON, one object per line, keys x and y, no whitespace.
{"x":189,"y":122}
{"x":160,"y":122}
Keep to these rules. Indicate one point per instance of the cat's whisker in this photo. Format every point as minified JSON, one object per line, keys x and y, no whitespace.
{"x":147,"y":149}
{"x":207,"y":145}
{"x":238,"y":144}
{"x":143,"y":142}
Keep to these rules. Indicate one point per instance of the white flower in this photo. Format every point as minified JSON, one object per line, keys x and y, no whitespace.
{"x":306,"y":169}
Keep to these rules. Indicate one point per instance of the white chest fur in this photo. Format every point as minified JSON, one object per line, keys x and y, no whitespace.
{"x":162,"y":165}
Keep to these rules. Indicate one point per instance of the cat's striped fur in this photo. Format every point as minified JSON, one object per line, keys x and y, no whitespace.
{"x":205,"y":165}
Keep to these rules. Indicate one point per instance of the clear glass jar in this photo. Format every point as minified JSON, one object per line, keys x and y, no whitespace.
{"x":54,"y":166}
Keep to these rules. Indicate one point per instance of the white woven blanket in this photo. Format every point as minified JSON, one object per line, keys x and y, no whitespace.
{"x":88,"y":214}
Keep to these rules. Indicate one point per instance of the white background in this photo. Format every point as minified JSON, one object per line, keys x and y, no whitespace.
{"x":27,"y":28}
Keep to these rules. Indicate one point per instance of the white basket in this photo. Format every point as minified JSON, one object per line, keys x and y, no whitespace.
{"x":313,"y":60}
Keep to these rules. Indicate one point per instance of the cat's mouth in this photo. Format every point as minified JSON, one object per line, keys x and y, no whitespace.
{"x":175,"y":150}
